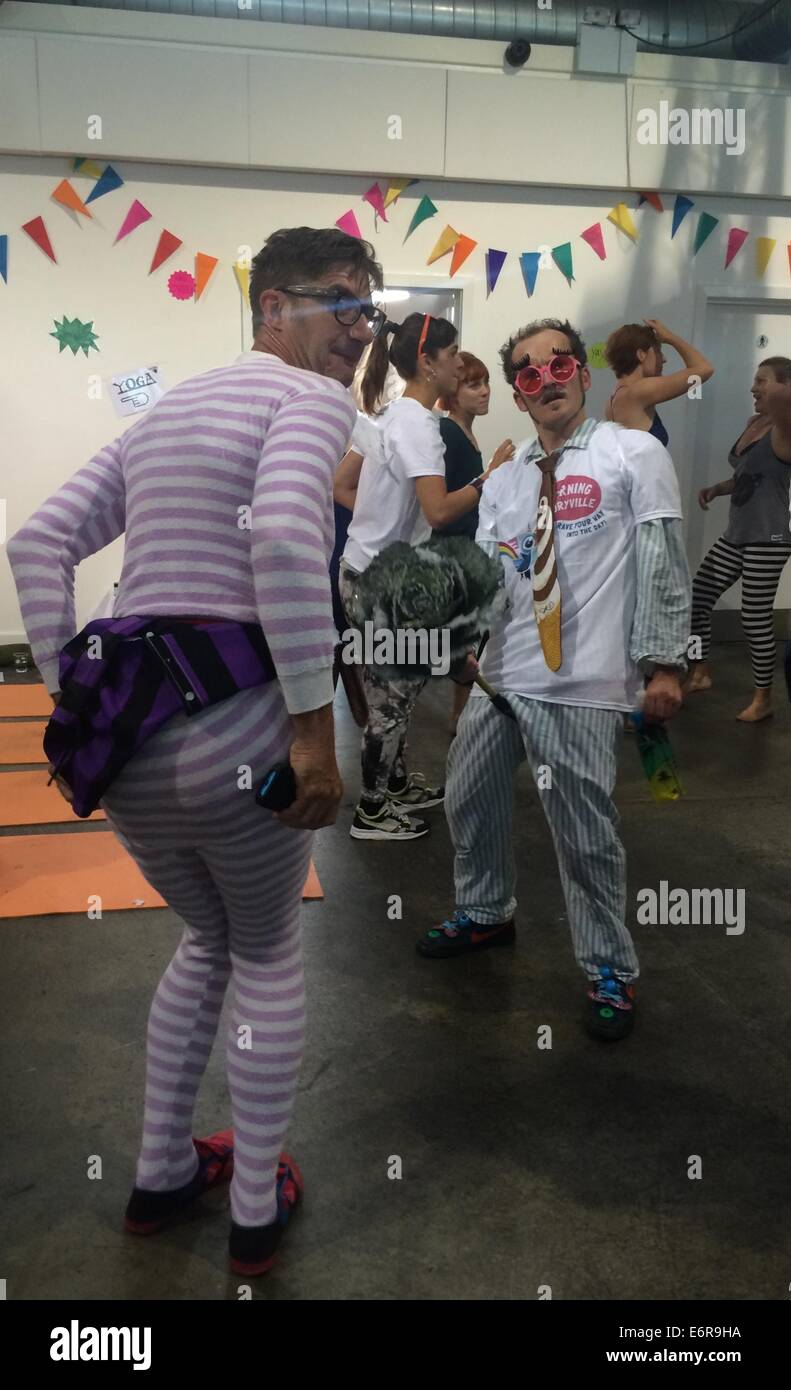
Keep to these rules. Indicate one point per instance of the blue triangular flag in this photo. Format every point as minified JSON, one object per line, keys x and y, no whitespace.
{"x":681,"y":207}
{"x":529,"y":262}
{"x":494,"y":264}
{"x":106,"y":184}
{"x":4,"y":258}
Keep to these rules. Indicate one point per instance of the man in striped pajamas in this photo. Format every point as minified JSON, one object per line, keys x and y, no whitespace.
{"x":224,"y":495}
{"x":599,"y":598}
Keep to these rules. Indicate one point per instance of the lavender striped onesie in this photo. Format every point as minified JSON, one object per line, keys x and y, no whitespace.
{"x":224,"y":492}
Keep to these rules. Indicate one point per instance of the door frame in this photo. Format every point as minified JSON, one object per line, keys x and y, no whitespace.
{"x":726,"y":623}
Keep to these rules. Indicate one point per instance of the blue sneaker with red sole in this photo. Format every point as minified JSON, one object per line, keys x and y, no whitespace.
{"x":461,"y":934}
{"x":148,"y":1211}
{"x":611,"y":1007}
{"x":253,"y":1249}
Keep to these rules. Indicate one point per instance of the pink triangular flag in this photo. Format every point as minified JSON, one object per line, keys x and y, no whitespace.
{"x":736,"y":239}
{"x":348,"y":223}
{"x":594,"y":238}
{"x":136,"y":214}
{"x":375,"y":197}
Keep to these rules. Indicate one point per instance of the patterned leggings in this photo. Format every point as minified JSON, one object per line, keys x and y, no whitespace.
{"x":390,"y":706}
{"x":759,"y":567}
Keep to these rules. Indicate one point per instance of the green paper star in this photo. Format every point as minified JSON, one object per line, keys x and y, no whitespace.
{"x":73,"y":334}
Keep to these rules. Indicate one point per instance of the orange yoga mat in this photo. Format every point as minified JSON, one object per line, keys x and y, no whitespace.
{"x":25,"y":799}
{"x":22,"y":743}
{"x":42,"y":874}
{"x":29,"y":700}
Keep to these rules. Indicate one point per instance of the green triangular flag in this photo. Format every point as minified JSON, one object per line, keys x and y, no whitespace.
{"x":561,"y":255}
{"x":706,"y":225}
{"x":424,"y":209}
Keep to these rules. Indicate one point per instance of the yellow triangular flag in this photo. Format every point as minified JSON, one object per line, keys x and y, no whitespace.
{"x":446,"y":243}
{"x":89,"y":167}
{"x":242,"y":273}
{"x":395,"y":188}
{"x":622,"y":218}
{"x":764,"y":246}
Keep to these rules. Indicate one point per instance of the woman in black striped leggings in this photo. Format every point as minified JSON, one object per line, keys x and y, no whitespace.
{"x":757,"y":542}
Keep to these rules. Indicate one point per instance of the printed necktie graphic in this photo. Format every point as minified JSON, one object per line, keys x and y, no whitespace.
{"x":546,"y":589}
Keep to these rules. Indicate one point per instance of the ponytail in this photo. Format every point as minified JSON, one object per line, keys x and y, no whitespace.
{"x":375,"y":375}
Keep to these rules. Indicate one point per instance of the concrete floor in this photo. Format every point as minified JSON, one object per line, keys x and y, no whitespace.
{"x":520,"y":1167}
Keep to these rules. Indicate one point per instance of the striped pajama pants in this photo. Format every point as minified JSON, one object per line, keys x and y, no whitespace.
{"x":577,"y":748}
{"x":759,"y":567}
{"x":235,"y":876}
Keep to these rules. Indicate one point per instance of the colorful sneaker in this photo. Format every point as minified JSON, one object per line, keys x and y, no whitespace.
{"x":413,"y":794}
{"x":148,"y":1211}
{"x":388,"y":823}
{"x":611,"y":1007}
{"x":460,"y":934}
{"x":253,"y":1249}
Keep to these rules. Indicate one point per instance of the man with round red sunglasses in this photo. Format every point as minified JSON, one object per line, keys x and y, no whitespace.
{"x":586,"y":520}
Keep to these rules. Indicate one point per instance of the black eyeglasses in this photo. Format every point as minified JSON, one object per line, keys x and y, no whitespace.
{"x":346,"y":307}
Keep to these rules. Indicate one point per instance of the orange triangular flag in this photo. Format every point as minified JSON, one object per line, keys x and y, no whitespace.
{"x":204,"y":267}
{"x":461,"y":251}
{"x":167,"y":244}
{"x":445,"y":243}
{"x":622,"y":218}
{"x":764,"y":246}
{"x":70,"y":198}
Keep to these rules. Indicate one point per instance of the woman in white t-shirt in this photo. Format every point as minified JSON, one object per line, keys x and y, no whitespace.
{"x":401,"y":484}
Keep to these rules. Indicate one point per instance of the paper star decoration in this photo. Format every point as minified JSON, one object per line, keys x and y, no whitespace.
{"x":181,"y":284}
{"x":71,"y":333}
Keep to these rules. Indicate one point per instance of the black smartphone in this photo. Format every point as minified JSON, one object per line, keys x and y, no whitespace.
{"x":278,"y":789}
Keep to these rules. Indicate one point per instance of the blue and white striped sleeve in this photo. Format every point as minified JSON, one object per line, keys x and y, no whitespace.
{"x":660,"y":630}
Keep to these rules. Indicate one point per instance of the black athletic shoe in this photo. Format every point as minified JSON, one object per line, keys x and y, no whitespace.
{"x":413,"y":794}
{"x":253,"y":1249}
{"x":611,"y":1007}
{"x":460,"y":934}
{"x":388,"y":823}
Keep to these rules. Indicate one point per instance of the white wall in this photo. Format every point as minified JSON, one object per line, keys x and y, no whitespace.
{"x":50,"y":426}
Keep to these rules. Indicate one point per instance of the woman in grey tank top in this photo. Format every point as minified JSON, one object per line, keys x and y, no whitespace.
{"x":757,"y":541}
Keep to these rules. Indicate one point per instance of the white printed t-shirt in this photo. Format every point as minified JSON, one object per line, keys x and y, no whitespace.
{"x":386,"y":508}
{"x":608,"y":479}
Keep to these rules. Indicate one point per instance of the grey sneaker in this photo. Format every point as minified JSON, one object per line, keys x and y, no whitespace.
{"x":414,"y":794}
{"x":388,"y":823}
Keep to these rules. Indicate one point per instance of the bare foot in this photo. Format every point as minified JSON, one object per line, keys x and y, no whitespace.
{"x":755,"y":711}
{"x":696,"y":683}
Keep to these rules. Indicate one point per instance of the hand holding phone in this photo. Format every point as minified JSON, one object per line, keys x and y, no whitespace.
{"x":278,"y":789}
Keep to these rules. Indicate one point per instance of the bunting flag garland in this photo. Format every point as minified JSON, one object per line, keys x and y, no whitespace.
{"x":4,"y":257}
{"x":736,"y":239}
{"x":38,"y":233}
{"x":242,"y":273}
{"x":529,"y":262}
{"x":463,"y":248}
{"x":652,"y":198}
{"x":561,"y":255}
{"x":424,"y":209}
{"x":622,"y":218}
{"x":764,"y":246}
{"x":495,"y":261}
{"x":88,"y":167}
{"x":136,"y":215}
{"x":68,"y":197}
{"x":593,"y":236}
{"x":349,"y":224}
{"x":375,"y":198}
{"x":443,"y":245}
{"x":204,"y":269}
{"x":681,"y":207}
{"x":395,"y":188}
{"x":167,"y":244}
{"x":704,"y":229}
{"x":107,"y":183}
